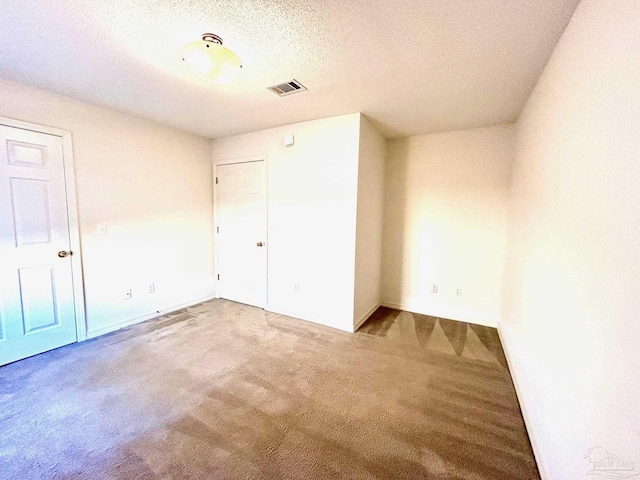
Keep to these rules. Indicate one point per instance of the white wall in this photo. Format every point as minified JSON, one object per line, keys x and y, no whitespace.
{"x":369,"y":222}
{"x":571,"y":320}
{"x":312,"y":190}
{"x":445,"y":222}
{"x":151,"y":186}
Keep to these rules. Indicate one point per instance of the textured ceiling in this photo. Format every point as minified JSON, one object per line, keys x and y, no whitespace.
{"x":413,"y":66}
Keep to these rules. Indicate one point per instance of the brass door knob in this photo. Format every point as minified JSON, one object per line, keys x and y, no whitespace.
{"x":63,"y":253}
{"x":260,"y":244}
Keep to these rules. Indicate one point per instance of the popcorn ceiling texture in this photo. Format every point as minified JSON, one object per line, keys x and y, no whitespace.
{"x":413,"y":67}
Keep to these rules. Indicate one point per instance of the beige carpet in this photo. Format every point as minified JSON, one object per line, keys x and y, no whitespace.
{"x":222,"y":390}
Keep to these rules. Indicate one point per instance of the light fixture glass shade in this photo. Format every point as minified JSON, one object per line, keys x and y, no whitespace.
{"x":211,"y":62}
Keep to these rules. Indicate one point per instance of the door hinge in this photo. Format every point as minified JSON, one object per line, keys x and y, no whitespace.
{"x":218,"y":276}
{"x":216,"y":180}
{"x":217,"y":229}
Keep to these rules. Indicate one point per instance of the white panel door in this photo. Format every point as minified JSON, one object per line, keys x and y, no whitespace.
{"x":241,"y":226}
{"x":37,"y":310}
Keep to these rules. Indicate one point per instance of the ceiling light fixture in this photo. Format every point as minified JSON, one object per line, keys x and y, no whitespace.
{"x":210,"y":61}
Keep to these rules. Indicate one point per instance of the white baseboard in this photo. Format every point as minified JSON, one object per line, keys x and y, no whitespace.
{"x":442,"y":313}
{"x":524,"y":407}
{"x":365,"y":317}
{"x":142,"y":318}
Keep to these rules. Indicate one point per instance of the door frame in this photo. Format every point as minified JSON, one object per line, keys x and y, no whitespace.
{"x":233,"y":161}
{"x":72,"y":215}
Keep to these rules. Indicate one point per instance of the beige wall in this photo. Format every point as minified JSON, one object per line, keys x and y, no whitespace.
{"x":571,"y":320}
{"x":151,"y":186}
{"x":445,"y":222}
{"x":312,"y":190}
{"x":369,"y":221}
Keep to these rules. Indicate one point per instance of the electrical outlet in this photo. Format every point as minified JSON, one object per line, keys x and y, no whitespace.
{"x":296,"y":288}
{"x":458,"y":292}
{"x":151,"y":288}
{"x":127,"y":294}
{"x":434,"y":288}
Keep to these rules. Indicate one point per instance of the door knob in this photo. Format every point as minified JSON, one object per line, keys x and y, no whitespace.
{"x":63,"y":253}
{"x":259,"y":244}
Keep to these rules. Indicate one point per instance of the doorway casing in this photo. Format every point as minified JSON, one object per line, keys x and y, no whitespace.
{"x":232,"y":161}
{"x":72,"y":215}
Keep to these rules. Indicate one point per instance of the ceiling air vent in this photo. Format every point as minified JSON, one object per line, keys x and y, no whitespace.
{"x":288,"y":88}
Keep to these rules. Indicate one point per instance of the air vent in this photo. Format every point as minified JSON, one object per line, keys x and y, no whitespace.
{"x":288,"y":88}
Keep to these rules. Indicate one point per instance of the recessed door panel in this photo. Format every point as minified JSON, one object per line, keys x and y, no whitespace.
{"x":31,"y":214}
{"x":37,"y":294}
{"x":26,"y":154}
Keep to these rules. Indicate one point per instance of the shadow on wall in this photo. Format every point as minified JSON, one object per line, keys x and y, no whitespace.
{"x":394,"y":220}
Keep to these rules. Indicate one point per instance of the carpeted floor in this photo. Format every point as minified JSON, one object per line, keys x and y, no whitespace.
{"x":223,"y":390}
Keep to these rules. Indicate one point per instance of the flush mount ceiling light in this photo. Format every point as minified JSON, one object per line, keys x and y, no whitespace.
{"x":210,"y":61}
